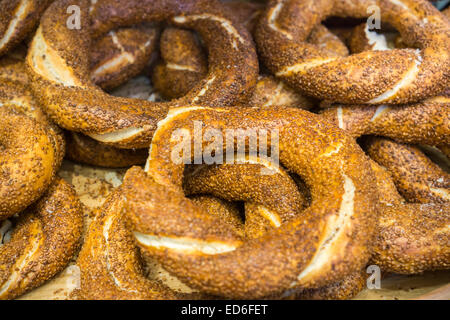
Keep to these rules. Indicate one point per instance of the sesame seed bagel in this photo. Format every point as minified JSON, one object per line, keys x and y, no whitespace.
{"x":416,"y":177}
{"x":58,"y":64}
{"x":17,"y":19}
{"x":42,"y":243}
{"x":411,"y":237}
{"x":370,"y":77}
{"x":28,"y":161}
{"x":334,"y":233}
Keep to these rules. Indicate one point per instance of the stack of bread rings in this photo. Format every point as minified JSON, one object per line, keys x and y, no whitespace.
{"x":351,"y":98}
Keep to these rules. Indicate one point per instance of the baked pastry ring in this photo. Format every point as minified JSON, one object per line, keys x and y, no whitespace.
{"x":58,"y":64}
{"x":341,"y":215}
{"x":373,"y":77}
{"x":43,"y":242}
{"x":28,"y":161}
{"x":183,"y":63}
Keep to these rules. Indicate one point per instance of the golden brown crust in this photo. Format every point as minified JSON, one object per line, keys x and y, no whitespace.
{"x":183,"y":63}
{"x":416,"y":177}
{"x":111,"y":267}
{"x":73,"y":101}
{"x":28,"y":161}
{"x":411,"y":237}
{"x":272,"y":92}
{"x":121,"y":55}
{"x":333,"y":165}
{"x":398,"y":76}
{"x":43,"y":242}
{"x":17,"y":19}
{"x":427,"y":122}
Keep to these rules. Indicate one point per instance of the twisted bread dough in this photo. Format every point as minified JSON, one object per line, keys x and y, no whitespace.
{"x":42,"y":243}
{"x":373,"y":77}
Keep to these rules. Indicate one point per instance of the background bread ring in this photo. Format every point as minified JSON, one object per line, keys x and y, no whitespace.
{"x":123,"y":122}
{"x":43,"y":242}
{"x":184,"y":63}
{"x":399,"y":76}
{"x":28,"y":161}
{"x":18,"y":18}
{"x":411,"y":237}
{"x":417,"y":178}
{"x":427,"y":122}
{"x":122,"y":54}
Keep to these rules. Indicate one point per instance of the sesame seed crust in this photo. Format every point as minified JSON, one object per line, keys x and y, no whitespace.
{"x":44,"y":240}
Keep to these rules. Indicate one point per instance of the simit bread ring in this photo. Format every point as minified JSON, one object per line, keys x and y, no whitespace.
{"x":42,"y":243}
{"x":411,"y":237}
{"x":374,"y":77}
{"x":335,"y":231}
{"x":210,"y":180}
{"x":28,"y":161}
{"x":17,"y":19}
{"x":15,"y":92}
{"x":417,"y":178}
{"x":58,"y":62}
